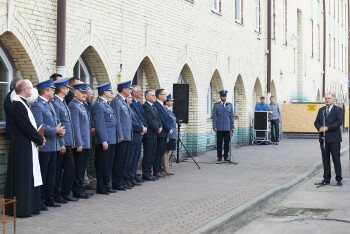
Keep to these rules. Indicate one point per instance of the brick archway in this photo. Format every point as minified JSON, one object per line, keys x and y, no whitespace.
{"x":257,"y":93}
{"x":318,"y":97}
{"x":216,"y":87}
{"x":96,"y":66}
{"x":273,"y":90}
{"x":146,"y":76}
{"x":242,"y":123}
{"x":20,"y":57}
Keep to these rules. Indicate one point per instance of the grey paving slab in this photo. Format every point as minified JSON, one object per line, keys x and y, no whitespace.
{"x":186,"y":201}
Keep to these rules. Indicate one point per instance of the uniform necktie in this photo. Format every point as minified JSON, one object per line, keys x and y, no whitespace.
{"x":327,"y":112}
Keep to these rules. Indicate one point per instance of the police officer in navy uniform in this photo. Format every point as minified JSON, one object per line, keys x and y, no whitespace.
{"x":223,"y":123}
{"x":45,"y":114}
{"x":64,"y":181}
{"x":105,"y":137}
{"x":124,"y":133}
{"x":81,"y":128}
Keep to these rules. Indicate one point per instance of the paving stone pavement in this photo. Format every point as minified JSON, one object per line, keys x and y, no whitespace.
{"x":185,"y":201}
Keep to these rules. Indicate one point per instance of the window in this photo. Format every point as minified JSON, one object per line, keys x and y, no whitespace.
{"x":342,"y":58}
{"x":334,"y":9}
{"x":341,"y":7}
{"x":338,"y":50}
{"x":338,"y":11}
{"x":239,"y":11}
{"x":330,"y":50}
{"x":334,"y":51}
{"x":284,"y":22}
{"x":216,"y":6}
{"x":273,"y":19}
{"x":257,"y":15}
{"x":6,"y":76}
{"x":312,"y":38}
{"x":209,"y":102}
{"x":81,"y":70}
{"x":318,"y":54}
{"x":345,"y":60}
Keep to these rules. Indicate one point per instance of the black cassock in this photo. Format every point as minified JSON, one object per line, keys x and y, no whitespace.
{"x":19,"y":178}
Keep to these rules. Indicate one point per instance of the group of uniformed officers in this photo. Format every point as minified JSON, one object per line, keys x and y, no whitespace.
{"x":116,"y":129}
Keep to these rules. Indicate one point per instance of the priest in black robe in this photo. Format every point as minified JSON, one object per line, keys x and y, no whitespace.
{"x":23,"y":177}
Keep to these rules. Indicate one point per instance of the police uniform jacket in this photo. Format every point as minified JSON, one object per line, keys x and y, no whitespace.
{"x":104,"y":121}
{"x":45,"y":114}
{"x":63,"y":113}
{"x":137,"y":127}
{"x":221,"y":116}
{"x":164,"y":118}
{"x":172,"y":119}
{"x":123,"y":116}
{"x":136,"y":106}
{"x":81,"y":124}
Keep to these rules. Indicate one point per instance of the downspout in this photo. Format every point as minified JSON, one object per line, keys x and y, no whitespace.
{"x":324,"y":51}
{"x":268,"y":81}
{"x":61,"y":37}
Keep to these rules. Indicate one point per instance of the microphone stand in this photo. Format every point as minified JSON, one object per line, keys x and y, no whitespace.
{"x":324,"y":132}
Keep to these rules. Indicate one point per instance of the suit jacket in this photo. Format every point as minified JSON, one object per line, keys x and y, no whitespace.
{"x":69,"y":97}
{"x":6,"y":107}
{"x":66,"y":120}
{"x":153,"y":121}
{"x":137,"y":108}
{"x":81,"y":124}
{"x":123,"y":117}
{"x":137,"y":127}
{"x":105,"y":122}
{"x":164,"y":118}
{"x":44,"y":113}
{"x":221,"y":116}
{"x":333,"y":122}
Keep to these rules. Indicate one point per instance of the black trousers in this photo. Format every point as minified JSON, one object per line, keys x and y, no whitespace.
{"x":131,"y":158}
{"x":80,"y":162}
{"x":64,"y":173}
{"x":149,"y":152}
{"x":157,"y":163}
{"x":48,"y":173}
{"x":222,"y":136}
{"x":334,"y":149}
{"x":275,"y":130}
{"x":103,"y":166}
{"x":120,"y":163}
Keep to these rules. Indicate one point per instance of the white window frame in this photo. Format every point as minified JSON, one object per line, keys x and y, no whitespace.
{"x":9,"y":73}
{"x":257,"y":15}
{"x":216,"y":6}
{"x":238,"y":11}
{"x":209,"y":102}
{"x":82,"y":66}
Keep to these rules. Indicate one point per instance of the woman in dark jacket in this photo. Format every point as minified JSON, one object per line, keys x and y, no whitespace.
{"x":171,"y":141}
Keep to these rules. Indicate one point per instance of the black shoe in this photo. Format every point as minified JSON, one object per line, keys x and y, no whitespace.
{"x":25,"y":216}
{"x":61,"y":200}
{"x":112,"y":191}
{"x":139,"y":180}
{"x":70,"y":198}
{"x":148,"y":178}
{"x":81,"y":195}
{"x":119,"y":187}
{"x":127,"y":186}
{"x":226,"y":159}
{"x":219,"y":159}
{"x":89,"y":193}
{"x":323,"y":182}
{"x":276,"y":143}
{"x":44,"y":208}
{"x":102,"y":192}
{"x":53,"y":204}
{"x":339,"y":183}
{"x":154,"y":177}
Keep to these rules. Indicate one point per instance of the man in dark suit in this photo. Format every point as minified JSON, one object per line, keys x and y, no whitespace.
{"x":150,"y":138}
{"x":333,"y":116}
{"x":162,"y":137}
{"x":137,"y":109}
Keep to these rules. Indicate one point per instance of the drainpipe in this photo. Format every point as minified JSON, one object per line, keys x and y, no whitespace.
{"x":324,"y":51}
{"x":61,"y":37}
{"x":268,"y":50}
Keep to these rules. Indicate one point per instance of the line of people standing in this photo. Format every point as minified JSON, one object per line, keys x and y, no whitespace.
{"x":49,"y":169}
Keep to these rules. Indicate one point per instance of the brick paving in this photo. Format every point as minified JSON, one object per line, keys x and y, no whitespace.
{"x":183,"y":202}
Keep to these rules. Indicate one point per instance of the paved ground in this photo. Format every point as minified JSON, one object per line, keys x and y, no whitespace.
{"x":325,"y":210}
{"x":186,"y":201}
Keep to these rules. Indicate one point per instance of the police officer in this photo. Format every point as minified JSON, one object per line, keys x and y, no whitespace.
{"x":124,"y":131}
{"x":45,"y":114}
{"x":223,"y":123}
{"x":64,"y":182}
{"x":105,"y":137}
{"x":81,"y":128}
